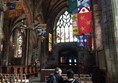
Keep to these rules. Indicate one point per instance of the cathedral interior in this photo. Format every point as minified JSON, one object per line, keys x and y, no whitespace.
{"x":40,"y":31}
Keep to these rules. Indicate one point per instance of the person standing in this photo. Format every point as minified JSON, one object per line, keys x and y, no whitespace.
{"x":56,"y":77}
{"x":70,"y":77}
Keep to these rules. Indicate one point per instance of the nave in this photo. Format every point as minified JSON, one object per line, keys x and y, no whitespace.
{"x":39,"y":35}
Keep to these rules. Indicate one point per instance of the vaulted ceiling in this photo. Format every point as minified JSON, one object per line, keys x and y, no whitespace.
{"x":48,"y":9}
{"x":51,"y":8}
{"x":45,"y":11}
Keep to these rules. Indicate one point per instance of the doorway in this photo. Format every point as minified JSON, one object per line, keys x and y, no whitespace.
{"x":68,"y":59}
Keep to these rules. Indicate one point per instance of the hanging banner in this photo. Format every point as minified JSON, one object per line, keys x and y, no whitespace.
{"x":12,"y":5}
{"x":74,"y":24}
{"x":19,"y":5}
{"x":85,"y":22}
{"x":15,"y":13}
{"x":84,"y":10}
{"x":50,"y":38}
{"x":50,"y":42}
{"x":40,"y":29}
{"x":72,"y":5}
{"x":75,"y":5}
{"x":84,"y":41}
{"x":15,"y":8}
{"x":83,"y":3}
{"x":75,"y":31}
{"x":15,"y":5}
{"x":49,"y":47}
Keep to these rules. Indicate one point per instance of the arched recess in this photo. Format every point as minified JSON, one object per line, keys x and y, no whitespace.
{"x":17,"y":45}
{"x":68,"y":59}
{"x":30,"y":41}
{"x":51,"y":11}
{"x":68,"y":56}
{"x":17,"y":33}
{"x":28,"y":13}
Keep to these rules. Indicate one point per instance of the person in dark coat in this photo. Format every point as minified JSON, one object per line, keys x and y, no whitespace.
{"x":56,"y":78}
{"x":70,"y":76}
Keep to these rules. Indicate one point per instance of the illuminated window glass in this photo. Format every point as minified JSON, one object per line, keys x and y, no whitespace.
{"x":70,"y":61}
{"x":19,"y":52}
{"x":64,"y":29}
{"x":18,"y":45}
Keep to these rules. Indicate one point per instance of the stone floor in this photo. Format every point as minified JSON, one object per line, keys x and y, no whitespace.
{"x":35,"y":79}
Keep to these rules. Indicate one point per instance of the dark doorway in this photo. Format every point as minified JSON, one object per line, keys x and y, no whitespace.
{"x":68,"y":59}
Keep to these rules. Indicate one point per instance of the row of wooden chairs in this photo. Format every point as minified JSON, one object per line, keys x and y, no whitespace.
{"x":28,"y":70}
{"x":13,"y":78}
{"x":85,"y":78}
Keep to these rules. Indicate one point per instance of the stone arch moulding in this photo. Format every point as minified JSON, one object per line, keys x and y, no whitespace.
{"x":16,"y":24}
{"x":28,"y":13}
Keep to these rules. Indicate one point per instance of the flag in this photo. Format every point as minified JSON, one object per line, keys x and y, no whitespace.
{"x":74,"y":16}
{"x":89,"y":40}
{"x":74,"y":24}
{"x":72,"y":5}
{"x":15,"y":5}
{"x":19,"y":5}
{"x":83,"y":3}
{"x":50,"y":47}
{"x":50,"y":38}
{"x":84,"y":10}
{"x":85,"y":22}
{"x":50,"y":42}
{"x":84,"y":40}
{"x":12,"y":5}
{"x":75,"y":30}
{"x":15,"y":13}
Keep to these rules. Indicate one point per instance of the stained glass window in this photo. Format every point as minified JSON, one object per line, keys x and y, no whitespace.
{"x":19,"y":41}
{"x":64,"y":29}
{"x":18,"y":45}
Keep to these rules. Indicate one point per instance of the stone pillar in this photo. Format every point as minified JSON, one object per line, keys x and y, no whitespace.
{"x":107,"y":23}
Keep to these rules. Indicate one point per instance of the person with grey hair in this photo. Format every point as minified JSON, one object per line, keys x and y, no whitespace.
{"x":56,"y":77}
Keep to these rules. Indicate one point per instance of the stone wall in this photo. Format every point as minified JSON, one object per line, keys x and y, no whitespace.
{"x":107,"y":23}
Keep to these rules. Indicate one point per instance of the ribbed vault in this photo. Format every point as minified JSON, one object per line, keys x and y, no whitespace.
{"x":51,"y":8}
